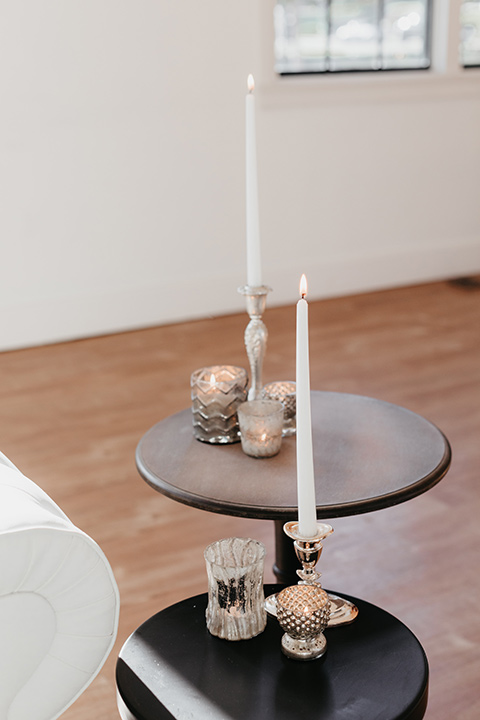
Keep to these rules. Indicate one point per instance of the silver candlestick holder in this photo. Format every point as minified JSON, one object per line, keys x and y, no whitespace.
{"x":256,"y":335}
{"x":305,"y":610}
{"x":308,"y":551}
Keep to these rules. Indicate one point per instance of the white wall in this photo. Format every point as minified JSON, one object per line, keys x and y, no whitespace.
{"x":122,"y":168}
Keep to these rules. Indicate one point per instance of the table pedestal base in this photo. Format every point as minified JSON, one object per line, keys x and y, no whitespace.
{"x":286,"y":562}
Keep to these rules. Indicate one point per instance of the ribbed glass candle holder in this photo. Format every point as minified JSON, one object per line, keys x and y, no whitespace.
{"x":236,"y":603}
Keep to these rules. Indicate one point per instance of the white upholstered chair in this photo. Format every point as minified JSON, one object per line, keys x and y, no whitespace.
{"x":59,"y":603}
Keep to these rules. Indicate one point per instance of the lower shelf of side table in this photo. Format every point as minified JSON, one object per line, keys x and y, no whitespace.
{"x":171,"y":667}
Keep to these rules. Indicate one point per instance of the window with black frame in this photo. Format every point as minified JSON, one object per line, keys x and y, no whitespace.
{"x":321,"y":36}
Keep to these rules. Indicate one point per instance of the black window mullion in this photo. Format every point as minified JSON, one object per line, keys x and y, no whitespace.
{"x":380,"y":24}
{"x":329,"y":33}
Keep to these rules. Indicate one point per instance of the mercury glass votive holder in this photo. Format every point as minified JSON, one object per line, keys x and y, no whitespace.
{"x":236,"y":602}
{"x":217,"y":391}
{"x":284,"y":391}
{"x":261,"y":423}
{"x":303,"y":612}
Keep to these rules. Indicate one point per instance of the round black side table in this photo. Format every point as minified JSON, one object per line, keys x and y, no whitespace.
{"x":171,"y":667}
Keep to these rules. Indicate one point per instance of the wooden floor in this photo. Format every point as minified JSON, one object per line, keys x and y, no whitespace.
{"x":73,"y":413}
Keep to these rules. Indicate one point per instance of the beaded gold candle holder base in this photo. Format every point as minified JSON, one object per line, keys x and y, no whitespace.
{"x":303,"y":612}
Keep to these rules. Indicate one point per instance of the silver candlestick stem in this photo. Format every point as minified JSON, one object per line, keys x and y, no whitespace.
{"x":256,"y":335}
{"x":308,"y":551}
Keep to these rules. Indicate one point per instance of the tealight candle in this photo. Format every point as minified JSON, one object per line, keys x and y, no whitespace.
{"x":216,"y":393}
{"x":261,"y":423}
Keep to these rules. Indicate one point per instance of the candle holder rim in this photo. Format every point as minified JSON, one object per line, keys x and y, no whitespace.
{"x":247,"y":542}
{"x":240,"y":371}
{"x":236,"y":375}
{"x":282,"y":382}
{"x":253,"y":404}
{"x":254,"y":289}
{"x":291,"y":529}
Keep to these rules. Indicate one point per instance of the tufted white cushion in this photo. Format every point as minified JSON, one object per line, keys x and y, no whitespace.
{"x":59,"y":603}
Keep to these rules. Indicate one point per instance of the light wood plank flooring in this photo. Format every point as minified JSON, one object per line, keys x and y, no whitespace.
{"x":72,"y":414}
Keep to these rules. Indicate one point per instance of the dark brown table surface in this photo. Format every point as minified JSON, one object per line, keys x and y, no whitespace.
{"x":368,"y":455}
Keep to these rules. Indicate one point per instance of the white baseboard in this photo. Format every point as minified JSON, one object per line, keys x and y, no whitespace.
{"x":62,"y":318}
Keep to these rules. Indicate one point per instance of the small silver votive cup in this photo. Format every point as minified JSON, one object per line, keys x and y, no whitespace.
{"x":303,"y":612}
{"x":217,"y":391}
{"x":236,"y":602}
{"x":284,"y":391}
{"x":261,"y":423}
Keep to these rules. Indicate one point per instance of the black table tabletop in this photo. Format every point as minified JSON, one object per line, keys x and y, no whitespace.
{"x":171,"y":667}
{"x":368,"y":455}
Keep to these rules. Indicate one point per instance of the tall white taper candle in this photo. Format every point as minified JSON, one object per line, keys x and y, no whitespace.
{"x":254,"y":272}
{"x":307,"y":511}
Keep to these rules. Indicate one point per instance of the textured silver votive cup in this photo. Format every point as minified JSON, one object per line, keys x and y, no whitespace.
{"x":303,"y":612}
{"x":284,"y":391}
{"x":236,"y":603}
{"x":217,"y":391}
{"x":261,"y":423}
